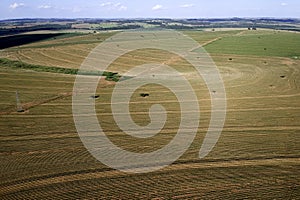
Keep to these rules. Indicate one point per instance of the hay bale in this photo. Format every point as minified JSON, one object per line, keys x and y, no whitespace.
{"x":21,"y":110}
{"x":144,"y":95}
{"x":95,"y":96}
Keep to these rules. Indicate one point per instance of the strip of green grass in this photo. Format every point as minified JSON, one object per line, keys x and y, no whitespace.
{"x":4,"y":62}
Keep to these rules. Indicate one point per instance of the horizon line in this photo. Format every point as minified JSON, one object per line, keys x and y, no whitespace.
{"x":147,"y":18}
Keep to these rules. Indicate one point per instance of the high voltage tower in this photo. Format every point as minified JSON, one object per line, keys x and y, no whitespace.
{"x":19,"y":105}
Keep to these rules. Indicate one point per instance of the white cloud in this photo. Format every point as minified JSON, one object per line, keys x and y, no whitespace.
{"x":114,"y":6}
{"x":106,"y":4}
{"x":187,"y":5}
{"x":284,"y":4}
{"x":45,"y":7}
{"x":157,"y":7}
{"x":76,"y":9}
{"x":16,"y":5}
{"x":122,"y":8}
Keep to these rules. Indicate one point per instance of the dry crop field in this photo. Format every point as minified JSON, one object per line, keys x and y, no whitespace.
{"x":256,"y":157}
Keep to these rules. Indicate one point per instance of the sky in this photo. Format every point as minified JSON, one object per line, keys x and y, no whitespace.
{"x":148,"y":8}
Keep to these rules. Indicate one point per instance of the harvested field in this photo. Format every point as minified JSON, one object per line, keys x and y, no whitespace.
{"x":256,"y":157}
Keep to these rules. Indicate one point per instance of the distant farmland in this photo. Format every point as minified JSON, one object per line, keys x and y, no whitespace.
{"x":256,"y":157}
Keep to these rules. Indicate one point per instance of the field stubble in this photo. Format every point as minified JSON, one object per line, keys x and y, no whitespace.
{"x":257,"y":155}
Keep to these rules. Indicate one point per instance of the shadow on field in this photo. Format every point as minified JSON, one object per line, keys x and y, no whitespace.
{"x":17,"y":40}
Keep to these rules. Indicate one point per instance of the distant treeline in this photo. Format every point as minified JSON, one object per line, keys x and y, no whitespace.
{"x":6,"y":31}
{"x":121,"y":27}
{"x":17,"y":40}
{"x":110,"y":76}
{"x":179,"y":24}
{"x":20,"y":22}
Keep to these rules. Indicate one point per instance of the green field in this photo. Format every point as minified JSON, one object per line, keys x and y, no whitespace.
{"x":256,"y":157}
{"x":281,"y":44}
